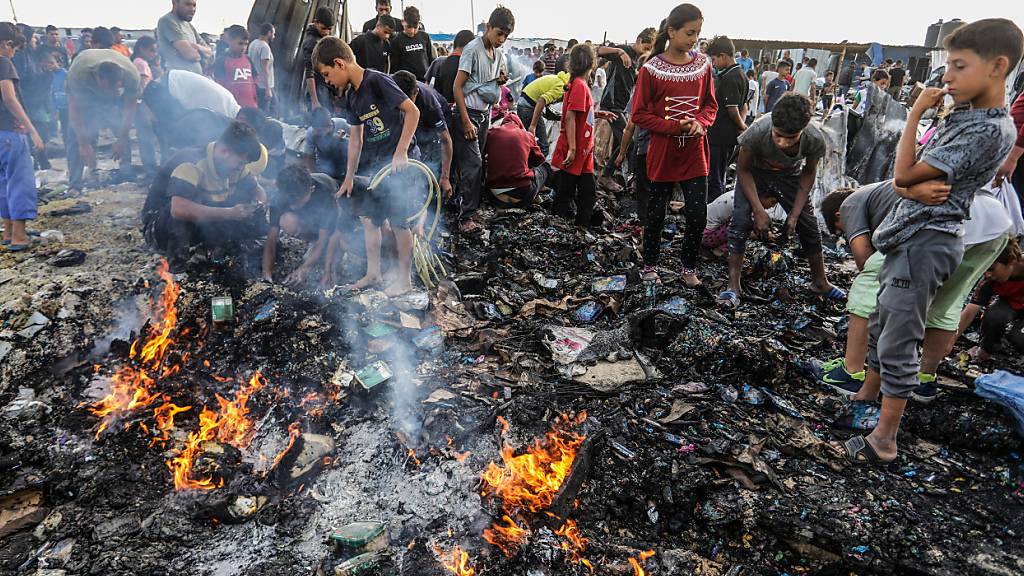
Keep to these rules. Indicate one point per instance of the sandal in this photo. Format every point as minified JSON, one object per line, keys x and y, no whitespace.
{"x":650,"y":273}
{"x":729,"y":299}
{"x":833,"y":294}
{"x":860,"y":452}
{"x":692,"y":271}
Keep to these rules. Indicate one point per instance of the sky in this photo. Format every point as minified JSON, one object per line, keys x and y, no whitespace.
{"x":883,"y":21}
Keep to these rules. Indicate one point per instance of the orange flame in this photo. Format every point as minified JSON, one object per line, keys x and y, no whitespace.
{"x":508,"y":538}
{"x":294,"y":431}
{"x":164,"y":416}
{"x":131,"y":387}
{"x":230,"y":425}
{"x":456,"y":562}
{"x":575,"y":544}
{"x":638,"y":569}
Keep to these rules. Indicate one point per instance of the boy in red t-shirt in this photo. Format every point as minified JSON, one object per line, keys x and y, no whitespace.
{"x":1004,"y":282}
{"x":234,"y":70}
{"x":574,"y":152}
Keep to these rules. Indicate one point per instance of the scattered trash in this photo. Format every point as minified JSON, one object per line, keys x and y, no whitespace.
{"x":588,"y":312}
{"x":51,"y":237}
{"x":359,"y":538}
{"x":608,"y":284}
{"x":1006,"y":389}
{"x":222,"y":311}
{"x":372,"y":376}
{"x":67,"y":257}
{"x":566,"y":343}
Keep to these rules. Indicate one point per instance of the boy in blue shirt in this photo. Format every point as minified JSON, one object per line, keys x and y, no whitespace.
{"x":776,"y":88}
{"x":384,"y":122}
{"x":923,"y":243}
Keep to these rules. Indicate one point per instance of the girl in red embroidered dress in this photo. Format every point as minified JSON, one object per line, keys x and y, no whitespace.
{"x":675,"y":102}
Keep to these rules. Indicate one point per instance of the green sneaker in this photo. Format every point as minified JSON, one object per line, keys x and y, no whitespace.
{"x":842,"y":381}
{"x":926,"y":390}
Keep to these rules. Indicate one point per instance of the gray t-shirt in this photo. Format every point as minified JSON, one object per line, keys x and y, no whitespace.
{"x":258,"y":52}
{"x":969,"y":147}
{"x":767,"y":156}
{"x":481,"y":68}
{"x":170,"y":29}
{"x":866,"y":208}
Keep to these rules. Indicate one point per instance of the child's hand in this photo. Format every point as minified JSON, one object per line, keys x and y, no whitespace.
{"x":761,"y":223}
{"x":695,"y":129}
{"x":400,"y":161}
{"x":346,"y":188}
{"x":931,"y":192}
{"x":296,"y":278}
{"x":930,"y":98}
{"x":621,"y":157}
{"x":790,"y":224}
{"x":570,"y":156}
{"x":605,"y":115}
{"x":446,"y":187}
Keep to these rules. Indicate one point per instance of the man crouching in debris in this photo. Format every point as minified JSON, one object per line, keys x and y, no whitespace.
{"x":101,"y":85}
{"x":303,"y":207}
{"x":779,"y":151}
{"x":212,"y":203}
{"x":923,"y":244}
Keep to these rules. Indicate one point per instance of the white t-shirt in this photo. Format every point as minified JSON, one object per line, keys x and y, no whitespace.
{"x":600,"y":81}
{"x":720,"y":211}
{"x":755,"y":96}
{"x":803,"y":80}
{"x":258,"y":52}
{"x":988,"y":220}
{"x":194,"y":91}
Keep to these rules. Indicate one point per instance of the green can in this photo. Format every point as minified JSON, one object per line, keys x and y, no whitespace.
{"x":222,"y":311}
{"x":360,"y":537}
{"x":364,"y":564}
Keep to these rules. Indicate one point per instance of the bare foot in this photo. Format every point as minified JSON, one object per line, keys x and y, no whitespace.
{"x":365,"y":282}
{"x":398,"y":288}
{"x":691,"y":280}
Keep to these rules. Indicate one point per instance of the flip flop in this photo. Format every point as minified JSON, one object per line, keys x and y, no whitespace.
{"x":19,"y":247}
{"x":5,"y":242}
{"x":833,"y":294}
{"x":729,"y":299}
{"x":860,"y":452}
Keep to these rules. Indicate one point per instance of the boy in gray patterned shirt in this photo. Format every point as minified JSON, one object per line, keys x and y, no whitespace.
{"x":922,"y":243}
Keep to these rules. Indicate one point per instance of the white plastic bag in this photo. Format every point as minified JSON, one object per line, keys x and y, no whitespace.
{"x":1007,"y":194}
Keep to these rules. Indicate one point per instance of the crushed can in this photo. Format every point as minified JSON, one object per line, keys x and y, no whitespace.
{"x":360,"y":538}
{"x":222,"y":311}
{"x":609,"y":284}
{"x":372,"y":376}
{"x":588,"y":312}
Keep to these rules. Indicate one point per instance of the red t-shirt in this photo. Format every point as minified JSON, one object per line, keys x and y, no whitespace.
{"x":577,"y":100}
{"x":1017,"y":113}
{"x":236,"y":74}
{"x":512,"y":149}
{"x":1012,"y":291}
{"x":665,"y":94}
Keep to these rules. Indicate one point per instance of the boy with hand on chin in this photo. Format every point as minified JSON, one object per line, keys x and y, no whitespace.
{"x":923,"y":244}
{"x":384,"y":121}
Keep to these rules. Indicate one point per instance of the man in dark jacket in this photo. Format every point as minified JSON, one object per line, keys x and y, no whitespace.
{"x":319,"y":92}
{"x":383,"y":9}
{"x":412,"y":50}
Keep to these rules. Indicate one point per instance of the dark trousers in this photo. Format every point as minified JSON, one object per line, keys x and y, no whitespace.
{"x":524,"y":109}
{"x":721,"y":157}
{"x":642,"y":185}
{"x":582,"y":189}
{"x":174,"y":238}
{"x":268,"y":105}
{"x":524,"y":196}
{"x":998,"y":317}
{"x":785,"y":188}
{"x":618,"y":127}
{"x":695,"y":194}
{"x":469,"y":159}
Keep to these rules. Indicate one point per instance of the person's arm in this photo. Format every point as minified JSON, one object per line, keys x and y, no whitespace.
{"x":803,"y":194}
{"x":862,"y":249}
{"x":123,"y":146}
{"x":1009,"y":165}
{"x":10,"y":96}
{"x":355,"y":150}
{"x":460,"y":104}
{"x":907,"y":169}
{"x":447,"y":152}
{"x":298,"y":276}
{"x":570,"y":130}
{"x":538,"y":113}
{"x":627,"y":138}
{"x":737,"y":117}
{"x":332,"y":245}
{"x":932,"y":192}
{"x":270,"y":253}
{"x":267,"y":63}
{"x":188,"y":50}
{"x":967,"y":316}
{"x":189,"y":211}
{"x":607,"y":51}
{"x":745,"y":178}
{"x":310,"y":72}
{"x":411,"y":120}
{"x":314,"y":98}
{"x":85,"y":149}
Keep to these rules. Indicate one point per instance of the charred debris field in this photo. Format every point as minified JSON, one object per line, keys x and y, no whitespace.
{"x":539,"y":412}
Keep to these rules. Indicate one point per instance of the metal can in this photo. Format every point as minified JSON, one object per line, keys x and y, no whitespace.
{"x":222,"y":311}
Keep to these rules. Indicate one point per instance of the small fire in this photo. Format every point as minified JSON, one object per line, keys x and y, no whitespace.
{"x":528,"y":482}
{"x":294,"y":431}
{"x":638,"y":569}
{"x":132,"y":386}
{"x":230,"y":425}
{"x":456,"y":562}
{"x":508,"y":538}
{"x":164,"y":416}
{"x":411,"y":455}
{"x":575,"y":544}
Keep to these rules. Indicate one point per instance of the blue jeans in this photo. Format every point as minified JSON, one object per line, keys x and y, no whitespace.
{"x":525,"y":112}
{"x":18,"y":196}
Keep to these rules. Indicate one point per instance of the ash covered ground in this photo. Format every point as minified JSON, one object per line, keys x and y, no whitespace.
{"x":708,"y":438}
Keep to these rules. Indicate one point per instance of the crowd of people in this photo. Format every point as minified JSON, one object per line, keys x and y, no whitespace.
{"x":390,"y":111}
